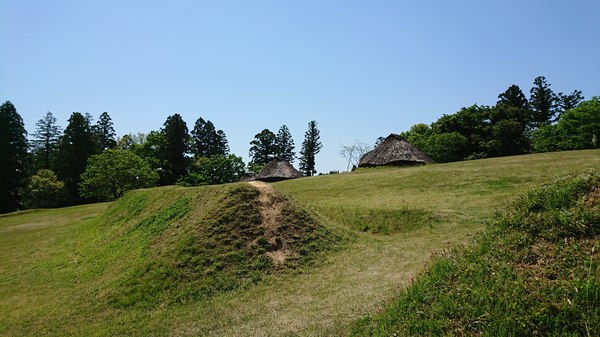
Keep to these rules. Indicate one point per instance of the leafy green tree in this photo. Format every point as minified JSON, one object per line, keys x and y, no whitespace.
{"x":13,"y":157}
{"x":76,"y":146}
{"x":473,"y":123}
{"x":264,"y":147}
{"x":131,"y":140}
{"x":45,"y":142}
{"x":577,"y":129}
{"x":546,"y":139}
{"x":217,"y":169}
{"x":442,"y":147}
{"x":542,"y":101}
{"x":113,"y":172}
{"x":310,"y":147}
{"x":174,"y":149}
{"x":105,"y":132}
{"x":508,"y":138}
{"x":44,"y":190}
{"x":285,"y":144}
{"x":509,"y":130}
{"x":207,"y":141}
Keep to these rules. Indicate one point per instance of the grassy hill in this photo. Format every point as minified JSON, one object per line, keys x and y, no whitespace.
{"x":216,"y":261}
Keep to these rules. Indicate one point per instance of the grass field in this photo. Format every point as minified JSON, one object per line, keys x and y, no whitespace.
{"x":59,"y":268}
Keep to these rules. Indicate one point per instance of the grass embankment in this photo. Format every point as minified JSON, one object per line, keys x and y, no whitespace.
{"x":534,"y":271}
{"x":96,"y":276}
{"x":150,"y":249}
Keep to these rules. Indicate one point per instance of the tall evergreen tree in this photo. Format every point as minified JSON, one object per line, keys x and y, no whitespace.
{"x":264,"y":147}
{"x":222,"y":147}
{"x":285,"y":144}
{"x":207,"y":141}
{"x":76,"y":145}
{"x":542,"y":101}
{"x":13,"y":157}
{"x":174,"y":149}
{"x":514,"y":97}
{"x":45,"y":142}
{"x":568,"y":102}
{"x":105,"y":132}
{"x":310,"y":147}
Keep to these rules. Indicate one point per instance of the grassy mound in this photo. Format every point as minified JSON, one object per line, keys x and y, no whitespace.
{"x":533,"y":272}
{"x":183,"y":244}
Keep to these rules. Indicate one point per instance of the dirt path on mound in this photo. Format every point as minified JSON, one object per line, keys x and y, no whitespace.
{"x":271,"y":205}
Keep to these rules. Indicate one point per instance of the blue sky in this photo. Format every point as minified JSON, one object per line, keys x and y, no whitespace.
{"x":361,"y":69}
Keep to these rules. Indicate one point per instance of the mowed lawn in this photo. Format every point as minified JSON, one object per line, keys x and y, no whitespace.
{"x":390,"y":221}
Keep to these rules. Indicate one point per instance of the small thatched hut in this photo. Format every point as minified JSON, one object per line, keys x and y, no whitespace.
{"x":394,"y":150}
{"x":278,"y":169}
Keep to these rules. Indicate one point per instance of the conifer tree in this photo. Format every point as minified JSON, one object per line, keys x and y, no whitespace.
{"x":13,"y":157}
{"x":45,"y":142}
{"x":542,"y":101}
{"x":285,"y":144}
{"x":310,"y":147}
{"x":105,"y":132}
{"x":207,"y":141}
{"x":76,"y":146}
{"x":174,"y":149}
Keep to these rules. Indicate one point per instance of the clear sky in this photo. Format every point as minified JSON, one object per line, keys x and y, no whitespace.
{"x":361,"y":69}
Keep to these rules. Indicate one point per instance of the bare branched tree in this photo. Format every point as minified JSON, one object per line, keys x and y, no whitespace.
{"x":352,"y":153}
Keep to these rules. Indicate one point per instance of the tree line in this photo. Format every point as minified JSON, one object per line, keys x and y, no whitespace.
{"x":515,"y":125}
{"x":86,"y":162}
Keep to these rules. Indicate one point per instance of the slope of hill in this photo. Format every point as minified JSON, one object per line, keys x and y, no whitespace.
{"x":204,"y":261}
{"x":534,"y":272}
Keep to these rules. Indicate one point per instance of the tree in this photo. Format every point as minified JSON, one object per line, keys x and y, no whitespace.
{"x":217,"y":169}
{"x":222,"y":143}
{"x":353,"y":153}
{"x":131,"y":140}
{"x":174,"y":149}
{"x":577,"y":129}
{"x":76,"y":145}
{"x":285,"y":144}
{"x":44,"y":190}
{"x":207,"y":141}
{"x":13,"y":157}
{"x":264,"y":147}
{"x":113,"y":172}
{"x":473,"y":123}
{"x":509,"y":129}
{"x":514,"y":97}
{"x":542,"y":101}
{"x":568,"y":102}
{"x":105,"y":132}
{"x":443,"y":147}
{"x":310,"y":147}
{"x":45,"y":141}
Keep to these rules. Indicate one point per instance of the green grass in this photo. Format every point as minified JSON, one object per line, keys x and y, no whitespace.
{"x":133,"y":269}
{"x":533,"y":272}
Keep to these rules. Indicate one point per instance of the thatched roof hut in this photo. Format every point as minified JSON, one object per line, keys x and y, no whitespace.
{"x":278,"y":169}
{"x":394,"y":150}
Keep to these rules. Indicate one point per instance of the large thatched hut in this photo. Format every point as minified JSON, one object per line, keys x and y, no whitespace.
{"x":394,"y":150}
{"x":278,"y":169}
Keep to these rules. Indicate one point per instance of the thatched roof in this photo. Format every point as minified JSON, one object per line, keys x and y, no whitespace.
{"x":278,"y":169}
{"x":394,"y":150}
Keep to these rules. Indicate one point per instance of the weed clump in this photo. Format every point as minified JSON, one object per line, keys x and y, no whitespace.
{"x":534,"y":272}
